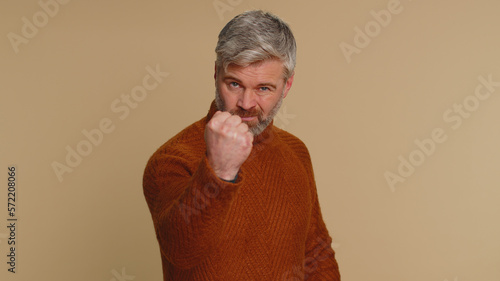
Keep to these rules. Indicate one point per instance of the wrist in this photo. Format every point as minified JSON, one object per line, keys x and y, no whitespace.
{"x":227,"y":176}
{"x":231,"y":181}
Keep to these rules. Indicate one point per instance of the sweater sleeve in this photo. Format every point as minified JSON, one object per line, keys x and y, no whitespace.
{"x":320,"y":262}
{"x":188,"y":205}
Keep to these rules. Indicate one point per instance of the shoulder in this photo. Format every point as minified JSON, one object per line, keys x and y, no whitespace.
{"x":293,"y":143}
{"x":295,"y":151}
{"x":187,"y":141}
{"x":184,"y":148}
{"x":294,"y":148}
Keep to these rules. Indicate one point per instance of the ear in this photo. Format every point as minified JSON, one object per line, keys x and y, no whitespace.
{"x":288,"y":85}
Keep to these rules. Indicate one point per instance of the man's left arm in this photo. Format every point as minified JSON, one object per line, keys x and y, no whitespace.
{"x":320,"y":262}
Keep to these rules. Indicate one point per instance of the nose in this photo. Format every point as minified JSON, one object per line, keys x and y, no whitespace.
{"x":247,"y":100}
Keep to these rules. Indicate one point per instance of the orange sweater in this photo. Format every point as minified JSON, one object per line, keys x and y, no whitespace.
{"x":265,"y":226}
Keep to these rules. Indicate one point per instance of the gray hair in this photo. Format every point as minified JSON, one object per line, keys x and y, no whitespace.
{"x":256,"y":36}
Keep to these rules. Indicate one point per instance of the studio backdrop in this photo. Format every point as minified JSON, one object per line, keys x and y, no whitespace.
{"x":397,"y":100}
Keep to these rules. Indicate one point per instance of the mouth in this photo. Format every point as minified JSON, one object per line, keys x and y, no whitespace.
{"x":248,"y":118}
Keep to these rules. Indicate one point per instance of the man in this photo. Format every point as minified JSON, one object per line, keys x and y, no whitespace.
{"x":232,"y":197}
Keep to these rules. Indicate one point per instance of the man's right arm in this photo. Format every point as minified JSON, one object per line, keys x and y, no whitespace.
{"x":189,"y":205}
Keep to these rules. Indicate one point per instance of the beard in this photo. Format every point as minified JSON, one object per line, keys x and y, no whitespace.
{"x":261,"y":124}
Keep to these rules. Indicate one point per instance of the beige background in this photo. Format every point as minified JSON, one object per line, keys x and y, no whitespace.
{"x":357,"y":118}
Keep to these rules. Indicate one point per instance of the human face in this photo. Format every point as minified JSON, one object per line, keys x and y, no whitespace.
{"x":254,"y":92}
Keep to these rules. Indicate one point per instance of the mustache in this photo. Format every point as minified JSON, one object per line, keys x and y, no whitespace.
{"x":247,"y":113}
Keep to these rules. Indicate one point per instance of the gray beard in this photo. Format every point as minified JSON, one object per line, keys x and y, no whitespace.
{"x":261,"y":125}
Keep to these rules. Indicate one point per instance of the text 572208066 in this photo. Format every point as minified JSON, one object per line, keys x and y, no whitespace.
{"x":12,"y":219}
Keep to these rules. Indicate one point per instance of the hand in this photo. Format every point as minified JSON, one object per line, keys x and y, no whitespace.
{"x":228,"y":144}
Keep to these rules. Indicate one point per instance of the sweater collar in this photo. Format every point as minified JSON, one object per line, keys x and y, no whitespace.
{"x":265,"y":136}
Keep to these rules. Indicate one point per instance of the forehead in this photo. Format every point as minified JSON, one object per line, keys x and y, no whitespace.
{"x":263,"y":70}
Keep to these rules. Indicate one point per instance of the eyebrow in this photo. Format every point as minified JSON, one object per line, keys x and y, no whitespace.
{"x":265,"y":84}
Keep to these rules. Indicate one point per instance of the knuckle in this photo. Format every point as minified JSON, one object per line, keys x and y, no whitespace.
{"x":232,"y":119}
{"x":225,"y":130}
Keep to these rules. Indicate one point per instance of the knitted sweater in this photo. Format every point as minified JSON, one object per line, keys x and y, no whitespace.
{"x":267,"y":225}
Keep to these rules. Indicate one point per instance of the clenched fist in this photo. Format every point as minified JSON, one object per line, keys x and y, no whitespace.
{"x":228,"y":144}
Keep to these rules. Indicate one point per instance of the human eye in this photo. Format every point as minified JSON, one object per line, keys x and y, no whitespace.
{"x":265,"y":90}
{"x":234,"y":84}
